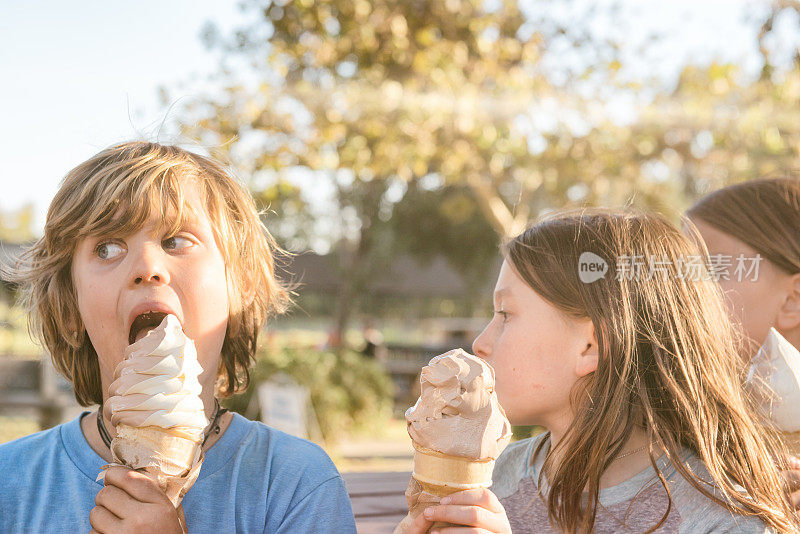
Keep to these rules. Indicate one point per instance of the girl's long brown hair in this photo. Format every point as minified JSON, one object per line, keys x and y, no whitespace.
{"x":764,"y":214}
{"x":668,"y":364}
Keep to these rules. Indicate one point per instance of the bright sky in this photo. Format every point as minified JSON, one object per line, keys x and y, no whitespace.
{"x":79,"y":76}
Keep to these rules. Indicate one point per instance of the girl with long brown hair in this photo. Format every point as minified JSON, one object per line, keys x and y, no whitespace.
{"x":758,"y":220}
{"x":608,"y":332}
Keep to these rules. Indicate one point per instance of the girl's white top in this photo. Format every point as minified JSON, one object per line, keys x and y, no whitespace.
{"x":774,"y":379}
{"x":156,"y":384}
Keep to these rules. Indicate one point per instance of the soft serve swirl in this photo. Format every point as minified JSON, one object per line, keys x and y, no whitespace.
{"x":156,"y":384}
{"x":457,"y":412}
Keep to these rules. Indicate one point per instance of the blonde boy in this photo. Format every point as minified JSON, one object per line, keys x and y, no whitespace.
{"x":142,"y":227}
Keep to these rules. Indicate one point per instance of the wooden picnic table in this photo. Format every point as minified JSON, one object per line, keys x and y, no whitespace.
{"x":378,"y":499}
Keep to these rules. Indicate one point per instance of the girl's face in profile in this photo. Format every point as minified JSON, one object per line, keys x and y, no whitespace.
{"x":537,"y":353}
{"x":752,"y":303}
{"x":118,"y":277}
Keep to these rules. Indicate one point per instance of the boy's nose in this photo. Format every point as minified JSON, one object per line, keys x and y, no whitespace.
{"x":150,"y":268}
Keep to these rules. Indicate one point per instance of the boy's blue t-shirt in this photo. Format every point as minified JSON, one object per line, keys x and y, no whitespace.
{"x":254,"y":479}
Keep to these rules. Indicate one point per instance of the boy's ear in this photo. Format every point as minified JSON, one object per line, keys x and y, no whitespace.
{"x":789,"y":313}
{"x":590,"y":355}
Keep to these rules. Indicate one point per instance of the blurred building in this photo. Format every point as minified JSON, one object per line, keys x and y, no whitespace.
{"x":408,"y":287}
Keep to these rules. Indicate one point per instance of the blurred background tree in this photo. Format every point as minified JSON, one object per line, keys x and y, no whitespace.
{"x":291,"y":223}
{"x":16,"y":230}
{"x":348,"y":392}
{"x":432,"y":221}
{"x":16,"y":225}
{"x":371,"y":96}
{"x":510,"y":111}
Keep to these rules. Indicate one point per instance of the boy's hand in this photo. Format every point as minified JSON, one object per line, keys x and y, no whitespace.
{"x":132,"y":502}
{"x":478,"y":510}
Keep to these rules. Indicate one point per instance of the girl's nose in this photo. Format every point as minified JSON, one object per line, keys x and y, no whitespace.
{"x":150,"y":267}
{"x":481,"y":347}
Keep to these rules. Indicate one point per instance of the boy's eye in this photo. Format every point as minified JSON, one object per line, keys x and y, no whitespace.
{"x":176,"y":242}
{"x":108,"y":250}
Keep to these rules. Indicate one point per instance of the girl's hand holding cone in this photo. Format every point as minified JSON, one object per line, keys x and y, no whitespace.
{"x":478,"y":510}
{"x":132,"y":502}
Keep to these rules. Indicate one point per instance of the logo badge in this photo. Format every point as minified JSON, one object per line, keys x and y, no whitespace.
{"x":591,"y":267}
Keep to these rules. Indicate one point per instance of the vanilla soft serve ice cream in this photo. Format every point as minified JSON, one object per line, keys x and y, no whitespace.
{"x":156,"y":409}
{"x":774,"y":381}
{"x":156,"y":384}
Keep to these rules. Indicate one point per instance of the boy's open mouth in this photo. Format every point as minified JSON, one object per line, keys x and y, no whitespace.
{"x":144,"y":323}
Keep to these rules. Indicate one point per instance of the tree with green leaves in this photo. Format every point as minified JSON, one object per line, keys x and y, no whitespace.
{"x":518,"y":108}
{"x":393,"y":90}
{"x":371,"y":96}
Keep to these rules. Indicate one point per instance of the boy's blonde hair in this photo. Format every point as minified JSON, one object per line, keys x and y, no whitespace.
{"x":115,"y":192}
{"x":668,"y":364}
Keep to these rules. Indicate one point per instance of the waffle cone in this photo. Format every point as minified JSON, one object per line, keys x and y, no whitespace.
{"x":437,"y":475}
{"x":442,"y":474}
{"x":169,"y":457}
{"x":152,"y":446}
